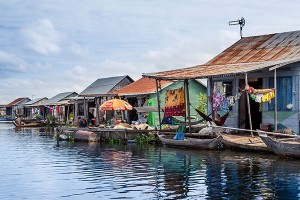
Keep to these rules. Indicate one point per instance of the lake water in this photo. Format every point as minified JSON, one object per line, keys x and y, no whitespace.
{"x":34,"y":166}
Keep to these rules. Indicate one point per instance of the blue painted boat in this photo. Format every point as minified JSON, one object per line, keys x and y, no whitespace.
{"x":5,"y":119}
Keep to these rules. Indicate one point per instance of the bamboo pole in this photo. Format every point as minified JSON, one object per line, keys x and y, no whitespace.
{"x":275,"y":100}
{"x":248,"y":104}
{"x":258,"y":131}
{"x":158,"y":103}
{"x":186,"y":83}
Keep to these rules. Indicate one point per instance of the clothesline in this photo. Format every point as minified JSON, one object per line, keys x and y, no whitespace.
{"x":259,"y":95}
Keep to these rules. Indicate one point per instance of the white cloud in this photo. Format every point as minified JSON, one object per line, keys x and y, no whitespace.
{"x":78,"y":73}
{"x":12,"y":88}
{"x":42,"y":37}
{"x":12,"y":63}
{"x":78,"y":50}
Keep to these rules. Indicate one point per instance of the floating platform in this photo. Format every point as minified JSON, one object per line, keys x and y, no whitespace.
{"x":98,"y":134}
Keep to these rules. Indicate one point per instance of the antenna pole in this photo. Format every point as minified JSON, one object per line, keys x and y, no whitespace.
{"x":240,"y":22}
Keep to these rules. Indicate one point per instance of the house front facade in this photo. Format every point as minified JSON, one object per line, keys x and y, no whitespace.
{"x":256,"y":80}
{"x":142,"y":96}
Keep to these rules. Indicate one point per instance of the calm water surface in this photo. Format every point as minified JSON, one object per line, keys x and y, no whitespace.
{"x":34,"y":166}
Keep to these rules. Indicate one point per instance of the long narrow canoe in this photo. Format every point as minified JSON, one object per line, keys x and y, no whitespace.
{"x":285,"y":148}
{"x":246,"y":143}
{"x":35,"y":124}
{"x":211,"y":143}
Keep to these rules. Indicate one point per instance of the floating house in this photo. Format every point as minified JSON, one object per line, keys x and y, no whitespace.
{"x":99,"y":91}
{"x":16,"y":107}
{"x":35,"y":107}
{"x":142,"y":95}
{"x":58,"y":106}
{"x":2,"y":110}
{"x":256,"y":80}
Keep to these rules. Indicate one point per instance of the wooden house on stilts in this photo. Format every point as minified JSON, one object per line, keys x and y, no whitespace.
{"x":256,"y":80}
{"x":142,"y":95}
{"x":98,"y":92}
{"x":58,"y":106}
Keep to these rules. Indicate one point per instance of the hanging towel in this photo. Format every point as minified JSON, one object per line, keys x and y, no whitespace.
{"x":151,"y":116}
{"x":174,"y":103}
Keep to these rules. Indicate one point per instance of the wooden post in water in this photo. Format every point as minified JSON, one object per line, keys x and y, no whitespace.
{"x":248,"y":104}
{"x":158,"y":103}
{"x":84,"y":108}
{"x":76,"y":111}
{"x":211,"y":93}
{"x":187,"y":100}
{"x":275,"y":100}
{"x":184,"y":90}
{"x":97,"y":111}
{"x":68,"y":111}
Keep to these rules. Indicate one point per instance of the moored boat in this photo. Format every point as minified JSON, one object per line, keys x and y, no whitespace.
{"x":33,"y":124}
{"x":191,"y":142}
{"x":246,"y":143}
{"x":6,"y":119}
{"x":283,"y":147}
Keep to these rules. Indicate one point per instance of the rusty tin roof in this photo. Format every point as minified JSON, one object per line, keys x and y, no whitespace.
{"x":247,"y":54}
{"x":14,"y":102}
{"x":141,"y":86}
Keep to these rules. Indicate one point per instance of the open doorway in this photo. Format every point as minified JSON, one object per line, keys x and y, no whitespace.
{"x":256,"y":114}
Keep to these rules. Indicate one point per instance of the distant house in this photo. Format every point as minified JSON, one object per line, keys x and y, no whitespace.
{"x":16,"y":107}
{"x":99,"y":91}
{"x":255,"y":61}
{"x":2,"y":110}
{"x":142,"y":95}
{"x":57,"y":106}
{"x":35,"y":107}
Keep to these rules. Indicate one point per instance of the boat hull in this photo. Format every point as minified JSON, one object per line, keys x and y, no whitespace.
{"x":28,"y":125}
{"x":245,"y":143}
{"x":212,"y":143}
{"x":282,"y":148}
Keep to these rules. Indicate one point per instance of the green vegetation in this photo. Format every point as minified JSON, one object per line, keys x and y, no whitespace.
{"x":38,"y":117}
{"x":202,"y":103}
{"x":146,"y":139}
{"x":71,"y":117}
{"x":116,"y":141}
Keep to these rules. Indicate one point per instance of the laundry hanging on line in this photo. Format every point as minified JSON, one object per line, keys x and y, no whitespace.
{"x":261,"y":95}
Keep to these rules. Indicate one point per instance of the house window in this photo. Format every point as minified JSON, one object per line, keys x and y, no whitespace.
{"x":221,"y":91}
{"x":284,"y":92}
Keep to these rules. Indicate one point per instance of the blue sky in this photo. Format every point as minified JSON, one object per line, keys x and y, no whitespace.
{"x":48,"y":47}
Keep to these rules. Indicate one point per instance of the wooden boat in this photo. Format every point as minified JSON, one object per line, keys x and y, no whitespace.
{"x":289,"y":147}
{"x":34,"y":124}
{"x":191,"y":142}
{"x":247,"y":143}
{"x":6,"y":119}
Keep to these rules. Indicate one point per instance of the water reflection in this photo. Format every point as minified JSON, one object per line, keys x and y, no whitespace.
{"x":37,"y":166}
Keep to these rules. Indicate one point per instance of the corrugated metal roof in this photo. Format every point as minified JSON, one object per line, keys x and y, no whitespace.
{"x":35,"y":101}
{"x":102,"y":86}
{"x":58,"y":97}
{"x":247,"y":54}
{"x":141,"y":86}
{"x":15,"y":102}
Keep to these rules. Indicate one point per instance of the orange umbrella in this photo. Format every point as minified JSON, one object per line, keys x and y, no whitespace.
{"x":115,"y":104}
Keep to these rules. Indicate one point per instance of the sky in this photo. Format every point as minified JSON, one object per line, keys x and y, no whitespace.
{"x":53,"y":46}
